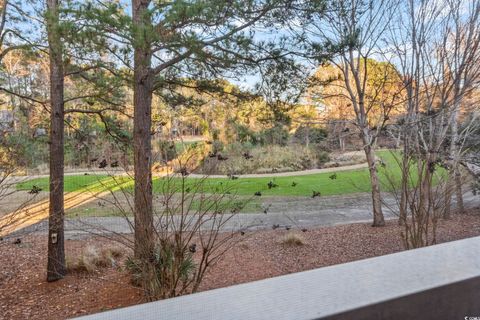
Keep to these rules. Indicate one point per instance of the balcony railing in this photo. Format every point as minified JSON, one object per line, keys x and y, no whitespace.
{"x":437,"y":282}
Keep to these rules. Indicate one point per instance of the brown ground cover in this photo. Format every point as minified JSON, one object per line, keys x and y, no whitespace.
{"x":24,"y":294}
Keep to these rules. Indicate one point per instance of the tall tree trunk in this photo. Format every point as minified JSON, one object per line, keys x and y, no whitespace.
{"x":448,"y":197}
{"x":368,"y":139}
{"x":398,"y":140}
{"x":404,"y":185}
{"x":378,"y":219}
{"x":458,"y":190}
{"x":142,"y":145}
{"x":307,"y":136}
{"x":341,"y":142}
{"x":56,"y":268}
{"x":454,"y":154}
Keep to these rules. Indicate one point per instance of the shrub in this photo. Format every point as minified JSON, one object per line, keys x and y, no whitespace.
{"x":23,"y":150}
{"x":243,"y":159}
{"x":238,"y":148}
{"x":476,"y":187}
{"x":293,"y":239}
{"x":188,"y":238}
{"x":276,"y":135}
{"x":167,"y":150}
{"x":170,"y":266}
{"x":245,"y":134}
{"x":315,"y":135}
{"x":92,"y":259}
{"x":321,"y":155}
{"x":217,"y":146}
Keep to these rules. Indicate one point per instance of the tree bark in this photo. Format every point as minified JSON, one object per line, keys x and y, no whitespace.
{"x":454,"y":180}
{"x":448,"y":198}
{"x":454,"y":154}
{"x":142,"y":149}
{"x":357,"y":95}
{"x":458,"y":190}
{"x":56,"y":267}
{"x":404,"y":186}
{"x":378,"y":219}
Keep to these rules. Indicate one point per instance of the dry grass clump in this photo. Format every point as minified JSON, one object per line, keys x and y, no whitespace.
{"x":293,"y":239}
{"x":93,"y":258}
{"x":264,"y":159}
{"x":345,"y":159}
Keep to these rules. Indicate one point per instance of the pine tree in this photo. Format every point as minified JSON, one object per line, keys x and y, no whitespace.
{"x":170,"y":43}
{"x":56,"y":268}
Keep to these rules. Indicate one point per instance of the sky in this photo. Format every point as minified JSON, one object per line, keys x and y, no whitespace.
{"x":248,"y":81}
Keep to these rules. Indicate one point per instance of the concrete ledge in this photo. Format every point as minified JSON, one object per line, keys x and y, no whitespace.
{"x":438,"y":282}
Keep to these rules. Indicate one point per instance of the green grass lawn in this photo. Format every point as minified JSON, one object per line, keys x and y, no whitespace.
{"x":345,"y":182}
{"x":93,"y":209}
{"x":72,"y":183}
{"x":181,"y":146}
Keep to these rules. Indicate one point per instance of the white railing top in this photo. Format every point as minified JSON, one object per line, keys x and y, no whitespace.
{"x":323,"y":292}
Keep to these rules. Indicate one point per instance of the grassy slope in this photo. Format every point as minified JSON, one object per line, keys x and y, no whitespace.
{"x":345,"y":182}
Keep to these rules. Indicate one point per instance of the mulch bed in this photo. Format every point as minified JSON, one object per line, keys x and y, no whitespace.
{"x":24,"y":293}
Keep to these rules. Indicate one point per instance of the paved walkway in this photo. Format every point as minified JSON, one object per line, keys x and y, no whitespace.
{"x":328,"y":211}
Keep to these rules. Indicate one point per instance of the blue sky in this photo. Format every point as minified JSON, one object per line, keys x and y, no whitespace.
{"x":247,"y":81}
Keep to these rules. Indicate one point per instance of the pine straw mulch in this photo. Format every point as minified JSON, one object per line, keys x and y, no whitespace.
{"x":24,"y":293}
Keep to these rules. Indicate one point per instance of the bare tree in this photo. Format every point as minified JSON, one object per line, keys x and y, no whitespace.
{"x":11,"y":37}
{"x":420,"y":225}
{"x":194,"y":226}
{"x":436,"y":78}
{"x":7,"y":169}
{"x":11,"y":163}
{"x":356,"y":28}
{"x":460,"y":54}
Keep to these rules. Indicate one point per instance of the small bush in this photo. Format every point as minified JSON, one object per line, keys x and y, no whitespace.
{"x":321,"y":155}
{"x":180,"y":254}
{"x":346,"y":159}
{"x":167,"y":150}
{"x":217,"y":146}
{"x":293,"y":239}
{"x":315,"y":135}
{"x":170,"y":266}
{"x":243,"y":159}
{"x":238,"y":148}
{"x":274,"y":136}
{"x":92,"y":259}
{"x":245,"y":134}
{"x":113,"y":252}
